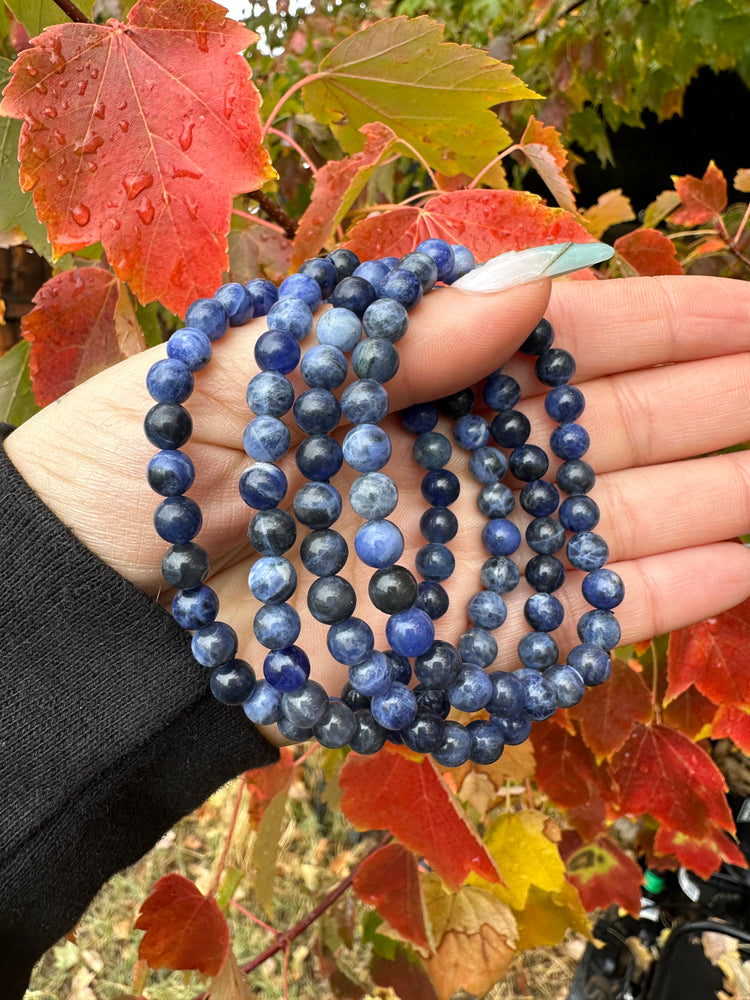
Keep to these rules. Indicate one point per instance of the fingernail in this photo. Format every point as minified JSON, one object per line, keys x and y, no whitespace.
{"x":517,"y":267}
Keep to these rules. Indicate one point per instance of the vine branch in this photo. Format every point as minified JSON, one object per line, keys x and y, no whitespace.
{"x":73,"y":12}
{"x":277,"y":213}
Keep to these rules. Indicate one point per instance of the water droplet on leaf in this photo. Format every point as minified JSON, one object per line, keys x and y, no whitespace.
{"x":99,"y":109}
{"x":135,"y":183}
{"x":40,"y":88}
{"x":50,"y":112}
{"x":124,"y":125}
{"x":81,"y":214}
{"x":145,"y":211}
{"x":186,"y":136}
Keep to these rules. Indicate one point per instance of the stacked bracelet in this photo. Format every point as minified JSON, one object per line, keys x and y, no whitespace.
{"x":378,"y":701}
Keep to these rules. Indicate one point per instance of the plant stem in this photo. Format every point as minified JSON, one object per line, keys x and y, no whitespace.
{"x":278,"y":214}
{"x":227,"y":841}
{"x":296,"y":146}
{"x":731,"y":246}
{"x":285,"y":97}
{"x":258,"y":221}
{"x":69,"y":8}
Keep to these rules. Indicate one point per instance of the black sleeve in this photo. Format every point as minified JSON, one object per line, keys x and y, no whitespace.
{"x":108,"y":733}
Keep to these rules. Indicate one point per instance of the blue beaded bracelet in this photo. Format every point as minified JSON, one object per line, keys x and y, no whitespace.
{"x":379,"y":701}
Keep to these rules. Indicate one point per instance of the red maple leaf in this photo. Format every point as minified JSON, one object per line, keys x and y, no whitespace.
{"x":138,"y":134}
{"x":702,"y":199}
{"x":565,"y":766}
{"x":388,"y":879}
{"x":714,"y":655}
{"x":608,"y":712}
{"x":648,"y":252}
{"x":690,"y":712}
{"x":264,"y":783}
{"x":702,"y":855}
{"x":543,"y":146}
{"x":602,"y":872}
{"x":392,"y":791}
{"x":733,"y":723}
{"x":487,"y":222}
{"x":184,"y":929}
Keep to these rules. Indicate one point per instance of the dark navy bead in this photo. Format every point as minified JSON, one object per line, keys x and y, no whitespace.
{"x":395,"y":708}
{"x":277,"y":351}
{"x":419,"y":418}
{"x":401,"y":666}
{"x":339,"y":328}
{"x":540,"y":339}
{"x":440,"y":487}
{"x":393,"y":589}
{"x":569,"y":441}
{"x":471,"y":690}
{"x":324,"y":272}
{"x":337,"y":727}
{"x":367,"y":448}
{"x":371,"y":676}
{"x":286,"y":669}
{"x":317,"y":411}
{"x":438,"y":524}
{"x":353,"y":698}
{"x":266,"y":439}
{"x":305,"y":706}
{"x":263,"y":486}
{"x":579,"y":513}
{"x":353,"y":293}
{"x":263,"y":707}
{"x":568,"y":684}
{"x":488,"y":465}
{"x":364,"y":402}
{"x":385,"y":318}
{"x":487,"y":742}
{"x":575,"y":477}
{"x":545,"y":535}
{"x":565,"y":403}
{"x":545,"y":573}
{"x":263,"y":293}
{"x":456,"y":746}
{"x":169,"y":381}
{"x":538,"y":650}
{"x":438,"y":666}
{"x":441,"y":253}
{"x":544,"y":612}
{"x":345,"y":261}
{"x":410,"y":633}
{"x":324,"y":367}
{"x":272,"y":579}
{"x":539,"y":498}
{"x":292,"y":316}
{"x":432,"y":450}
{"x":423,"y":266}
{"x":434,"y":700}
{"x":432,"y":599}
{"x":232,"y":683}
{"x":372,"y":271}
{"x":373,"y":495}
{"x":178,"y":520}
{"x":477,"y":645}
{"x":603,"y":588}
{"x":319,"y":457}
{"x":592,"y":662}
{"x":215,"y":644}
{"x":500,"y":575}
{"x":471,"y":432}
{"x":270,"y":394}
{"x":540,"y":699}
{"x":528,"y":462}
{"x":276,"y":626}
{"x":496,"y":500}
{"x":350,"y":642}
{"x":511,"y":428}
{"x":555,"y":367}
{"x":324,"y":552}
{"x":369,"y":737}
{"x":463,"y":262}
{"x":506,"y":699}
{"x":296,"y":734}
{"x":185,"y":566}
{"x":192,"y":347}
{"x":424,"y":734}
{"x":403,"y":286}
{"x":170,"y":473}
{"x":501,"y":392}
{"x":301,"y":286}
{"x":196,"y":608}
{"x":317,"y":505}
{"x":457,"y":404}
{"x":435,"y":562}
{"x":587,"y":551}
{"x":237,"y":302}
{"x":272,"y":532}
{"x":501,"y":537}
{"x":331,"y":599}
{"x":168,"y":426}
{"x":514,"y":730}
{"x":487,"y":609}
{"x":375,"y":358}
{"x":209,"y":316}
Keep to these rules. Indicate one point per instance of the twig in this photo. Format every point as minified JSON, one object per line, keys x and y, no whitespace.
{"x":277,"y":214}
{"x":73,"y":12}
{"x":258,"y":221}
{"x":251,"y":916}
{"x":228,"y":840}
{"x":731,"y":247}
{"x":296,"y":146}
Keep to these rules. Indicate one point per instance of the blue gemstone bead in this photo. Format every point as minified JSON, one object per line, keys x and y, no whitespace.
{"x":500,"y":575}
{"x":545,"y":573}
{"x":471,"y":690}
{"x":514,"y":731}
{"x":587,"y":551}
{"x":373,"y":496}
{"x":540,"y":338}
{"x":337,"y":726}
{"x":434,"y":700}
{"x":575,"y":477}
{"x":367,"y":448}
{"x":455,"y":747}
{"x":324,"y":367}
{"x":432,"y":599}
{"x":603,"y":588}
{"x":194,"y":609}
{"x":441,"y":253}
{"x":317,"y":505}
{"x":403,"y":286}
{"x":270,"y":394}
{"x":435,"y":562}
{"x":263,"y":707}
{"x":506,"y":699}
{"x":545,"y":535}
{"x":385,"y":318}
{"x":215,"y":644}
{"x":372,"y":676}
{"x":324,"y":272}
{"x":277,"y":351}
{"x":511,"y":428}
{"x":272,"y":532}
{"x":477,"y":645}
{"x":185,"y":566}
{"x":487,"y":743}
{"x":353,"y":293}
{"x":410,"y":633}
{"x":266,"y":439}
{"x":390,"y":262}
{"x":555,"y":367}
{"x":324,"y":552}
{"x":351,"y":641}
{"x":319,"y":457}
{"x":192,"y":347}
{"x":486,"y":609}
{"x":501,"y":392}
{"x":292,"y":316}
{"x":592,"y":662}
{"x":438,"y":524}
{"x":565,"y":403}
{"x":208,"y":315}
{"x":276,"y":626}
{"x":568,"y":684}
{"x":170,"y":473}
{"x":305,"y":706}
{"x":569,"y":441}
{"x":317,"y":411}
{"x":375,"y":358}
{"x":369,"y":737}
{"x":401,"y":666}
{"x":579,"y":513}
{"x":538,"y":650}
{"x":600,"y":627}
{"x":379,"y":543}
{"x":286,"y":669}
{"x":237,"y":302}
{"x":471,"y":431}
{"x":263,"y":293}
{"x":295,"y":734}
{"x":432,"y":450}
{"x":232,"y":683}
{"x":331,"y":599}
{"x":272,"y":579}
{"x":540,"y":699}
{"x":339,"y":328}
{"x":496,"y":500}
{"x":178,"y":520}
{"x":424,"y":734}
{"x":539,"y":498}
{"x":423,"y":266}
{"x":263,"y":486}
{"x":345,"y":261}
{"x":419,"y":418}
{"x":488,"y":465}
{"x":528,"y":462}
{"x":372,"y":271}
{"x":364,"y":402}
{"x":170,"y":381}
{"x":437,"y":667}
{"x":544,"y":612}
{"x":463,"y":262}
{"x":301,"y":286}
{"x":501,"y":537}
{"x":394,"y":708}
{"x":440,"y":487}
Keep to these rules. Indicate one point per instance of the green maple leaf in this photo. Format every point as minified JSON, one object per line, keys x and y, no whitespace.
{"x":434,"y":95}
{"x":16,"y":398}
{"x":36,"y":15}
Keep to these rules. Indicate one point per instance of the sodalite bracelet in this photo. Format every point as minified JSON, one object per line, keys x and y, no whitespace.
{"x":377,"y":700}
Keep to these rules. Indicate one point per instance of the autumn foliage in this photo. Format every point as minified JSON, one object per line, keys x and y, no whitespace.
{"x":144,"y":154}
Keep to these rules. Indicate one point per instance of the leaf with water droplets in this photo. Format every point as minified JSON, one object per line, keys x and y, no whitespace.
{"x":138,"y":135}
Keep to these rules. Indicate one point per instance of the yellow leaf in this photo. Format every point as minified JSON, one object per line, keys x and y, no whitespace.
{"x":266,"y":848}
{"x":465,"y":911}
{"x":660,"y":208}
{"x":231,"y":983}
{"x":611,"y":208}
{"x":742,"y":180}
{"x":547,"y":916}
